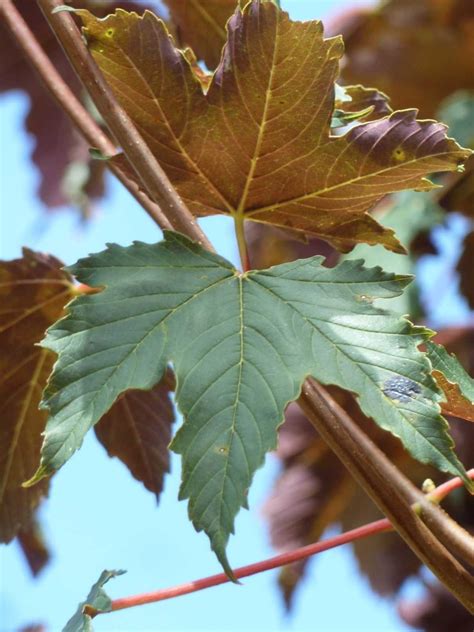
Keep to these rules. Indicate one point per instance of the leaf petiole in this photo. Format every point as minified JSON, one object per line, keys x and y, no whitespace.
{"x":241,"y":241}
{"x":380,"y":526}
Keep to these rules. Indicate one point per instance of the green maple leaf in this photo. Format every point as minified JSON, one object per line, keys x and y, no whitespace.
{"x":241,"y":347}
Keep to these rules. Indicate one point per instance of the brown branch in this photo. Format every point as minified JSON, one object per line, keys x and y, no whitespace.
{"x":389,"y":489}
{"x":66,"y":99}
{"x":138,"y":153}
{"x":449,"y":532}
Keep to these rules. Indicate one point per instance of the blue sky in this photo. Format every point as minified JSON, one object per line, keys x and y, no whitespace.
{"x":98,"y":517}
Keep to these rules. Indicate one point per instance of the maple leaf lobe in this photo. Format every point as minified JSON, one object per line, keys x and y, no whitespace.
{"x":257,"y":143}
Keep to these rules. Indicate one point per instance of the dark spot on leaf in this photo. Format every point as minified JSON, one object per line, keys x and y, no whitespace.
{"x":401,"y":388}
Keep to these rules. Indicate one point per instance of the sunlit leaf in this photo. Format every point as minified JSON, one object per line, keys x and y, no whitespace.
{"x":249,"y":147}
{"x":456,"y":384}
{"x":137,"y":430}
{"x":97,"y":601}
{"x":241,"y":346}
{"x":33,"y":292}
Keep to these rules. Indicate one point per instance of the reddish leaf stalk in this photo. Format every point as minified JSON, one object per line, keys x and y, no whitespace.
{"x":443,"y":490}
{"x":380,"y":526}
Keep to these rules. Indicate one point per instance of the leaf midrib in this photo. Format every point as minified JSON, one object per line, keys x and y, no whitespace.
{"x":358,"y":179}
{"x":261,"y":129}
{"x":236,"y":401}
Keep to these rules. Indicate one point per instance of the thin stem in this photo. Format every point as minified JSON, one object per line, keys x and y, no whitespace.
{"x":79,"y":116}
{"x":301,"y":553}
{"x":138,"y":153}
{"x":241,"y":241}
{"x":439,"y":493}
{"x":380,"y":526}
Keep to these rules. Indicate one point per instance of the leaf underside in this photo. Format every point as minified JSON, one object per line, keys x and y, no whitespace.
{"x":240,"y":346}
{"x":137,"y":430}
{"x":33,"y":292}
{"x":258,"y":144}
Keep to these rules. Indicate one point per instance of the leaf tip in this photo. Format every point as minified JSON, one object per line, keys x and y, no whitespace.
{"x":38,"y":476}
{"x":219,"y":550}
{"x":404,"y":279}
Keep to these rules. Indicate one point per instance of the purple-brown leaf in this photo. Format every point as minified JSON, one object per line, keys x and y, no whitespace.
{"x":137,"y":430}
{"x":248,"y":147}
{"x":33,"y":292}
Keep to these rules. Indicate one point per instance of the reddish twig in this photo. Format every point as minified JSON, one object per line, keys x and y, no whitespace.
{"x":380,"y":526}
{"x":439,"y":493}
